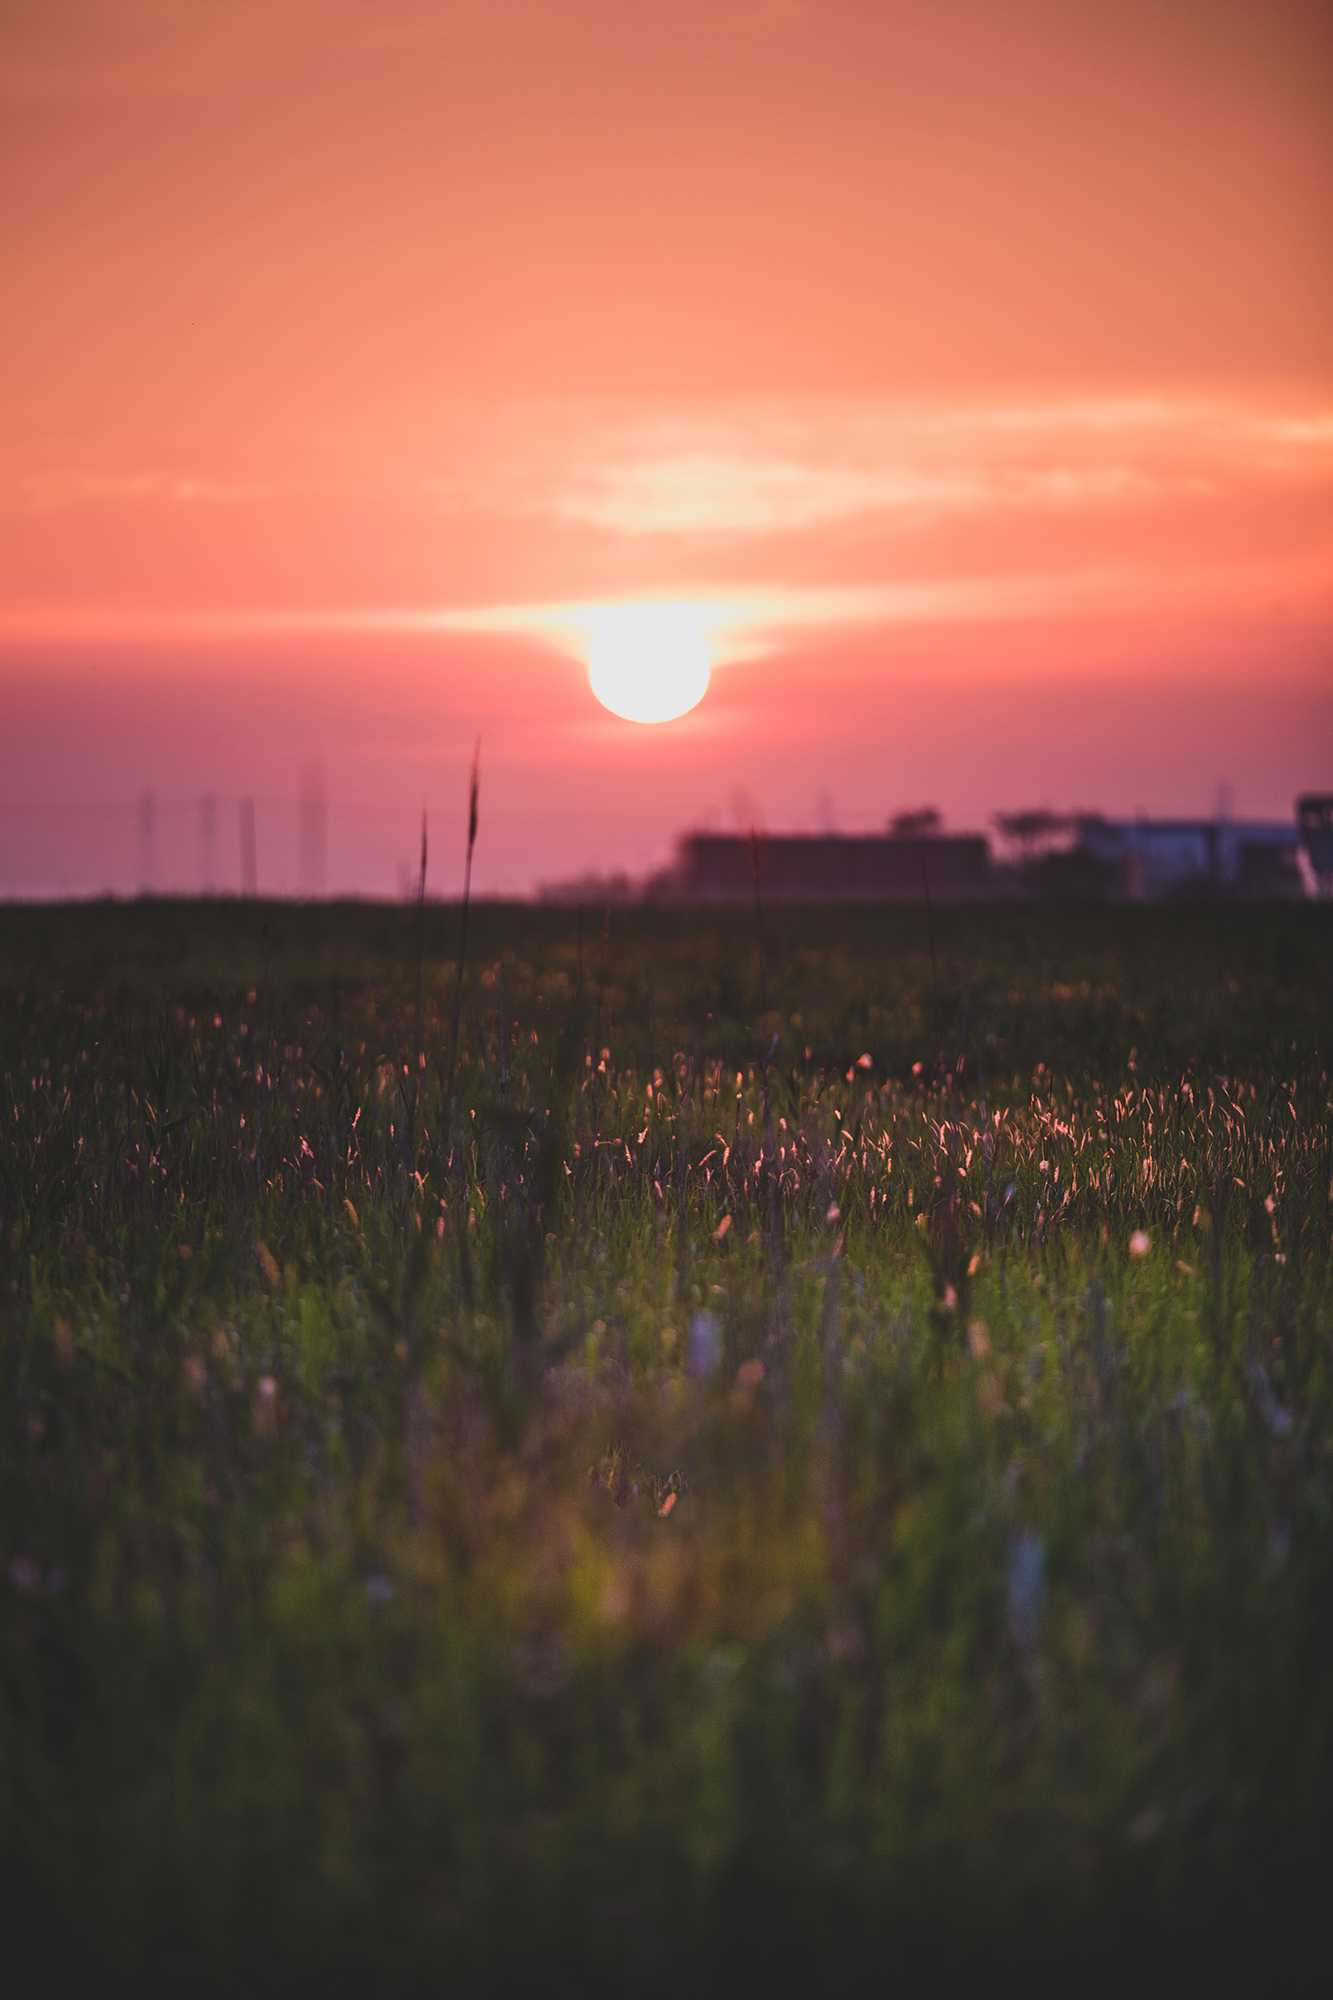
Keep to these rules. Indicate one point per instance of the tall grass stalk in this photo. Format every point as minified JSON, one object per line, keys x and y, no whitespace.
{"x":473,"y":788}
{"x":767,"y":1050}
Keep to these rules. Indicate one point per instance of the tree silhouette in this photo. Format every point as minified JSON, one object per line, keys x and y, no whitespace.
{"x":923,"y":823}
{"x":1033,"y":830}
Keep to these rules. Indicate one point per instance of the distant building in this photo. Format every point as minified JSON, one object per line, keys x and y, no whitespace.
{"x":1149,"y":858}
{"x":1135,"y":860}
{"x":827,"y":867}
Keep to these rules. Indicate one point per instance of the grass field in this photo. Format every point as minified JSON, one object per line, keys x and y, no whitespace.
{"x":819,"y":1459}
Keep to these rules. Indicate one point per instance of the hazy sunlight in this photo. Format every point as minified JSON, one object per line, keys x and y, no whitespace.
{"x":648,"y":662}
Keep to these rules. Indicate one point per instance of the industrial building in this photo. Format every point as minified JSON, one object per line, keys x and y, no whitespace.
{"x":827,"y":867}
{"x":1145,"y":859}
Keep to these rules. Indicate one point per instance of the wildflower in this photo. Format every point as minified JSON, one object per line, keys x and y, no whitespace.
{"x":722,"y":1229}
{"x":1139,"y":1243}
{"x":266,"y":1407}
{"x":667,"y":1505}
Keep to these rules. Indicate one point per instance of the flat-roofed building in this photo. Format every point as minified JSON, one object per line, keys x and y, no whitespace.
{"x":828,"y":867}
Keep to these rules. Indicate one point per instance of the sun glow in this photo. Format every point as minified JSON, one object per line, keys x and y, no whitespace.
{"x":648,"y":662}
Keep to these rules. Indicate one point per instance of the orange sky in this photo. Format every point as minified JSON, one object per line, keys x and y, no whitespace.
{"x":974,"y":363}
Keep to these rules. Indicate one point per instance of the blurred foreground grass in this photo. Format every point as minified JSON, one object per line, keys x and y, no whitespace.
{"x":682,"y":1487}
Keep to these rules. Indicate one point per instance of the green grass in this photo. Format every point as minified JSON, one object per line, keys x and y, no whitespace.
{"x":390,"y":1588}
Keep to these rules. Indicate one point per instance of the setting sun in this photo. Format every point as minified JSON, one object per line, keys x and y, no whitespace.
{"x":648,"y":662}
